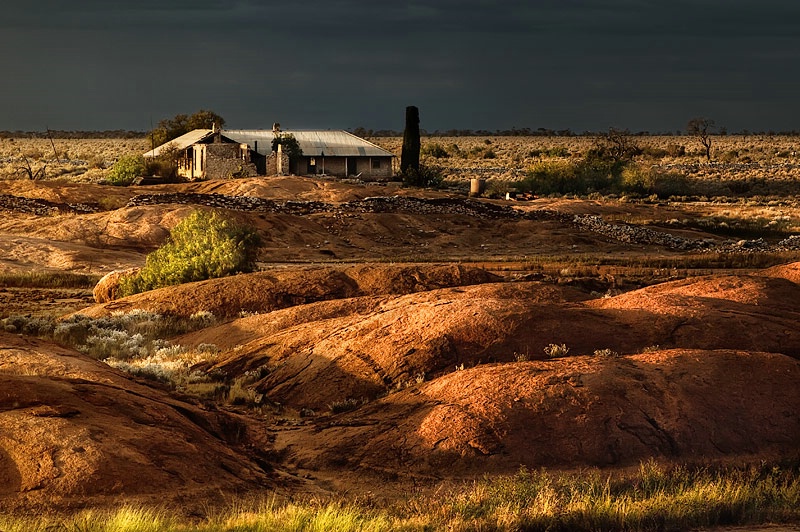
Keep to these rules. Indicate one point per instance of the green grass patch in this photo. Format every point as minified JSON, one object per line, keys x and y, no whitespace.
{"x":48,"y":280}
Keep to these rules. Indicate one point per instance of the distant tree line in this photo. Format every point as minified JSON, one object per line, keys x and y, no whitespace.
{"x":77,"y":134}
{"x":544,"y":132}
{"x":179,"y":123}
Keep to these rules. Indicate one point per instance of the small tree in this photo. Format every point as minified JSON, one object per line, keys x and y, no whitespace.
{"x":618,"y":145}
{"x":289,"y":146}
{"x":126,"y":169}
{"x":171,"y":128}
{"x":702,"y":129}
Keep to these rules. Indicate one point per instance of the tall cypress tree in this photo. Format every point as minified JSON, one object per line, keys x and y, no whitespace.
{"x":409,"y":157}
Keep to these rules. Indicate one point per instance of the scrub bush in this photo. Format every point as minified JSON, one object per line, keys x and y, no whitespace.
{"x":126,"y":169}
{"x":203,"y":246}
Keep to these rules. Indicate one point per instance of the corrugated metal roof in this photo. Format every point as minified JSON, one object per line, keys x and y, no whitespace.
{"x":182,"y":142}
{"x":314,"y":143}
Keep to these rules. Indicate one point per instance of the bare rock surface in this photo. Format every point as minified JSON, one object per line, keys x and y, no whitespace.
{"x":107,"y":288}
{"x":316,"y":354}
{"x":286,"y":287}
{"x":685,"y":405}
{"x":74,"y":431}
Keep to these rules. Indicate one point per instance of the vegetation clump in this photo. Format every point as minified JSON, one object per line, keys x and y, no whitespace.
{"x":435,"y":150}
{"x":203,"y":246}
{"x":47,"y":280}
{"x":289,"y":146}
{"x":180,"y":124}
{"x":611,"y":165}
{"x":126,"y":169}
{"x":653,"y":498}
{"x":165,"y":165}
{"x":556,"y":350}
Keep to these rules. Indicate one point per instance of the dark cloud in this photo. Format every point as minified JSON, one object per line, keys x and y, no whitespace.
{"x":576,"y":64}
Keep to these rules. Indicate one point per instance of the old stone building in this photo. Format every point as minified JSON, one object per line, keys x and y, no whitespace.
{"x":214,"y":154}
{"x":208,"y":154}
{"x":325,"y":152}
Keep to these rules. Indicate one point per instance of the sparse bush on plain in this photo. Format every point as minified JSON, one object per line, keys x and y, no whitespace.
{"x":551,"y":177}
{"x":428,"y":175}
{"x":132,"y":342}
{"x":28,"y":325}
{"x":647,"y":180}
{"x":435,"y":150}
{"x":676,"y":150}
{"x":202,"y":246}
{"x":496,"y":188}
{"x":126,"y":169}
{"x":555,"y":151}
{"x":124,"y":336}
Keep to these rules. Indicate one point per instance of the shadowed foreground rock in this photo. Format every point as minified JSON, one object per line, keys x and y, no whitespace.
{"x":74,"y":431}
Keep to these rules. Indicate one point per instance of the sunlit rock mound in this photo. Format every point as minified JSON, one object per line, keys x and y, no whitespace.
{"x":362,"y":347}
{"x":74,"y":430}
{"x":751,"y":312}
{"x":281,"y":288}
{"x":466,"y":378}
{"x":684,"y":405}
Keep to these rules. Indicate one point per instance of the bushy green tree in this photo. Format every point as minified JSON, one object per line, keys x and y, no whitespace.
{"x":126,"y":169}
{"x":202,"y":246}
{"x":171,"y":128}
{"x":289,"y":146}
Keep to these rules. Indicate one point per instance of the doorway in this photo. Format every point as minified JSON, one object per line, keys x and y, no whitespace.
{"x":352,"y":166}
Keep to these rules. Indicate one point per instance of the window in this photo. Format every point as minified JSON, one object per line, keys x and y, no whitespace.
{"x":376,"y":164}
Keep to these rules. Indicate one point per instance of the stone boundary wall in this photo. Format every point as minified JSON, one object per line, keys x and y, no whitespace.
{"x":626,"y":233}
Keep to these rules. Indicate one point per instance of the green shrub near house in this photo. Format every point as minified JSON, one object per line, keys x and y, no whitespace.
{"x":126,"y":169}
{"x":202,"y":246}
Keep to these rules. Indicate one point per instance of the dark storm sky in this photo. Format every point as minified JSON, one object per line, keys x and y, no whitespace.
{"x":479,"y":64}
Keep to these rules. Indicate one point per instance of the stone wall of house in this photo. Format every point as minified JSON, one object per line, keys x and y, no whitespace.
{"x":272,"y":164}
{"x":366,"y":167}
{"x":337,"y":166}
{"x":223,"y":161}
{"x":331,"y":166}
